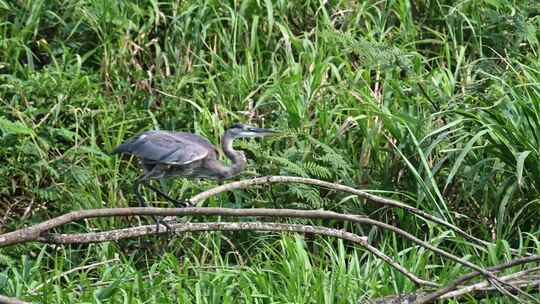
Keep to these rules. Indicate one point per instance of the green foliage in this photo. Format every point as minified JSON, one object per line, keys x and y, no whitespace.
{"x":433,"y":102}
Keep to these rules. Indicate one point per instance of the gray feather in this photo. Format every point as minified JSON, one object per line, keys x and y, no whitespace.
{"x":165,"y":147}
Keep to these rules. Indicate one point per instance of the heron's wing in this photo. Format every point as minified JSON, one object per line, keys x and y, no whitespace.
{"x":197,"y":139}
{"x":164,"y":147}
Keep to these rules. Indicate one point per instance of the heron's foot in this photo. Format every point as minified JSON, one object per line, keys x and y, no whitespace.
{"x":159,"y":221}
{"x":45,"y":235}
{"x":168,"y":227}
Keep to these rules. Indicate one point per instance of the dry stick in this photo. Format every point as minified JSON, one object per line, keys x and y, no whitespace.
{"x":533,"y":285}
{"x":377,"y":199}
{"x":114,"y":235}
{"x":477,"y":293}
{"x":8,"y":300}
{"x":32,"y":233}
{"x":374,"y":198}
{"x":309,"y":181}
{"x":439,"y":293}
{"x":484,"y":284}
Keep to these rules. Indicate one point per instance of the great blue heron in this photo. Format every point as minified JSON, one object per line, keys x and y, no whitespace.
{"x":166,"y":153}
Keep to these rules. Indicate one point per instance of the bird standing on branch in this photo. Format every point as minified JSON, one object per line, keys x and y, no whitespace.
{"x":165,"y":154}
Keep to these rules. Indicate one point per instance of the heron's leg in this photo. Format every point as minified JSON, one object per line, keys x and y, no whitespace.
{"x":142,"y":202}
{"x":178,"y":204}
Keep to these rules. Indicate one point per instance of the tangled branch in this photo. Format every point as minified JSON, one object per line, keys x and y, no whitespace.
{"x":42,"y":233}
{"x":34,"y":233}
{"x":443,"y":292}
{"x":242,"y":184}
{"x":114,"y":235}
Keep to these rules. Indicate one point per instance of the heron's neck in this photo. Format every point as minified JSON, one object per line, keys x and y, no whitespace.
{"x":237,"y":158}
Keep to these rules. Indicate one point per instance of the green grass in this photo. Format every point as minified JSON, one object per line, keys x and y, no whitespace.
{"x":432,"y":102}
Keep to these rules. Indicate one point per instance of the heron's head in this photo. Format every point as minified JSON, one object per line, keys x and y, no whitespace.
{"x":241,"y":130}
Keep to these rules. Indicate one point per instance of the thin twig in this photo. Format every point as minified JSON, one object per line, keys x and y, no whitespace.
{"x":477,"y":290}
{"x":377,"y":199}
{"x":451,"y":286}
{"x":115,"y":235}
{"x":315,"y":182}
{"x":484,"y":284}
{"x":33,"y":233}
{"x":532,"y":286}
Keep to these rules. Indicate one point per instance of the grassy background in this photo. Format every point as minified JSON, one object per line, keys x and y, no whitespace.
{"x":434,"y":102}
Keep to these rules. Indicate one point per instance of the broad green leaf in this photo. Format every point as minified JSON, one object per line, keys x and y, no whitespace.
{"x":520,"y":162}
{"x":437,"y":198}
{"x":443,"y":128}
{"x":462,"y":155}
{"x":269,"y":14}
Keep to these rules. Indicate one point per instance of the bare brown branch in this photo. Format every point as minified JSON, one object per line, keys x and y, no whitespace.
{"x":528,"y":279}
{"x":33,"y":233}
{"x":365,"y":194}
{"x":515,"y":278}
{"x":119,"y":234}
{"x":197,"y":199}
{"x":429,"y":298}
{"x":37,"y":232}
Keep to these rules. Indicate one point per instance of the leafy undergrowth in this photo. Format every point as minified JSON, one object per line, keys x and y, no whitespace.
{"x":433,"y":103}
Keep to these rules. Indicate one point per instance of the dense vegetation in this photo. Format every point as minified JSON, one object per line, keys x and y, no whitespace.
{"x":432,"y":102}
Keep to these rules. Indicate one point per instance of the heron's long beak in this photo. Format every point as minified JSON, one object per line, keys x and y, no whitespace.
{"x":263,"y":132}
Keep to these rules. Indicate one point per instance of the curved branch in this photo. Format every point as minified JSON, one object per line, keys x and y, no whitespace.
{"x":33,"y":233}
{"x":428,"y":298}
{"x":119,"y":234}
{"x":315,"y":182}
{"x":374,"y":198}
{"x":519,"y":278}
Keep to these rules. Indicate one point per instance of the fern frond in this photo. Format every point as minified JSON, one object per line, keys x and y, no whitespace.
{"x":317,"y":170}
{"x":289,"y":167}
{"x":311,"y":195}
